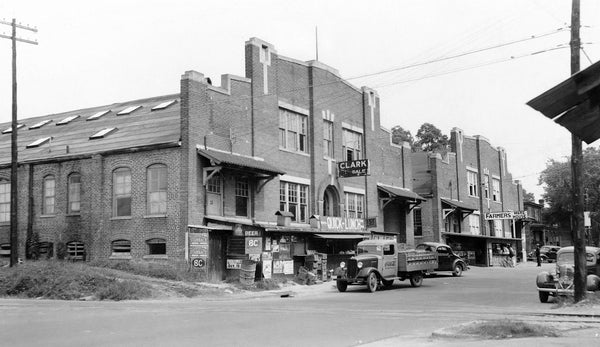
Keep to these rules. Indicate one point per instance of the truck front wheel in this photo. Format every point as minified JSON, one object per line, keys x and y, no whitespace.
{"x":341,"y":285}
{"x":372,"y":282}
{"x":416,"y":280}
{"x":543,"y":297}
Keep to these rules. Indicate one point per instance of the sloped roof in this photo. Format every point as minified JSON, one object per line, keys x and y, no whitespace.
{"x":458,"y":204}
{"x":142,"y":127}
{"x":239,"y":161}
{"x":400,"y":192}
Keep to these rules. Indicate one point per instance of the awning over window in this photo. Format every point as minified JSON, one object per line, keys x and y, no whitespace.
{"x":239,"y":162}
{"x":492,"y":238}
{"x":398,"y":193}
{"x":456,"y":206}
{"x":341,"y":236}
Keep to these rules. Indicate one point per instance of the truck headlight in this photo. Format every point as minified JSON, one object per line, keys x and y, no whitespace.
{"x":359,"y":265}
{"x":342,"y":264}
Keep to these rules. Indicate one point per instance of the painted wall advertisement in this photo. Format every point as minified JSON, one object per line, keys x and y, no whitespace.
{"x":198,"y":248}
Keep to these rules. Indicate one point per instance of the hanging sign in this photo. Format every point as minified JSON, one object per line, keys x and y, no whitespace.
{"x":353,"y":168}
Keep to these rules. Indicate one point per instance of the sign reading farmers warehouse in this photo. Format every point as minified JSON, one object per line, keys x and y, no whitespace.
{"x":353,"y":168}
{"x":506,"y":215}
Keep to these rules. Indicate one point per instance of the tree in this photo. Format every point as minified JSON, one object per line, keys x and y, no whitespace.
{"x":556,"y":178}
{"x":400,"y":135}
{"x":430,"y":139}
{"x":527,"y":196}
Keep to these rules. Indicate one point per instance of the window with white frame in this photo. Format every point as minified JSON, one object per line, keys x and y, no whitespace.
{"x":292,"y":131}
{"x":351,"y":145}
{"x":242,"y":197}
{"x":122,"y":192}
{"x":157,"y":189}
{"x":474,"y":224}
{"x":486,"y":186}
{"x":74,"y":197}
{"x":417,"y":221}
{"x":327,"y":138}
{"x":354,"y":205}
{"x":293,"y":197}
{"x":214,"y":184}
{"x":472,"y":182}
{"x":4,"y":201}
{"x":48,"y":192}
{"x":495,"y":189}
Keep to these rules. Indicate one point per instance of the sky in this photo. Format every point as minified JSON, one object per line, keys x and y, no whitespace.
{"x":470,"y":64}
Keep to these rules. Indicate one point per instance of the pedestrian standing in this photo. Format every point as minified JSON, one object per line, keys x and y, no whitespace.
{"x":511,"y":255}
{"x":538,"y":256}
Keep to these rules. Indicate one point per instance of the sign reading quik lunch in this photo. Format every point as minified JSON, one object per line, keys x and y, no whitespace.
{"x":353,"y":168}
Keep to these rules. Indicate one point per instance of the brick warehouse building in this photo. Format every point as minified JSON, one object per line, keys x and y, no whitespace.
{"x":461,"y":188}
{"x":215,"y":175}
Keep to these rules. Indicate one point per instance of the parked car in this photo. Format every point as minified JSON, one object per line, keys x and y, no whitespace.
{"x":560,"y":281}
{"x":547,"y":253}
{"x":447,"y":259}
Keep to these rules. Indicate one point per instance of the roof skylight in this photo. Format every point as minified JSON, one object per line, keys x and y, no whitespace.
{"x":128,"y":110}
{"x":98,"y":115}
{"x":39,"y":142}
{"x":164,"y":105}
{"x":67,"y":120}
{"x":9,"y":130}
{"x":102,"y":133}
{"x":40,"y":124}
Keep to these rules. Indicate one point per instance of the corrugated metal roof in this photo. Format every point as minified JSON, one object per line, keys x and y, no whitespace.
{"x":140,"y":128}
{"x":458,"y":204}
{"x":239,"y":161}
{"x":400,"y":192}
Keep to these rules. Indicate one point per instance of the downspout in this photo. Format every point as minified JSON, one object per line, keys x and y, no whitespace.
{"x":29,"y":208}
{"x":481,"y":219}
{"x":311,"y":141}
{"x":365,"y":153}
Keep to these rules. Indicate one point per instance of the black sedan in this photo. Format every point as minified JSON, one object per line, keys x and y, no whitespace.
{"x":447,"y":259}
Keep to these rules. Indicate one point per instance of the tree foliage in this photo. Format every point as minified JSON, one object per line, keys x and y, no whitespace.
{"x":527,"y":196}
{"x":556,"y":178}
{"x":400,"y":135}
{"x":430,"y":139}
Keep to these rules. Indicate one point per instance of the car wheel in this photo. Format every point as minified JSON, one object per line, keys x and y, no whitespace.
{"x":457,"y":271}
{"x":416,"y":280}
{"x":372,"y":282}
{"x":387,"y":283}
{"x":341,"y":285}
{"x":543,"y":297}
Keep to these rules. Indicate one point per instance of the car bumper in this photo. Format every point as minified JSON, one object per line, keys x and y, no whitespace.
{"x":561,"y":291}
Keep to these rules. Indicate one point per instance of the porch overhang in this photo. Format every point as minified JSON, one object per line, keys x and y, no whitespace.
{"x":456,"y":206}
{"x":391,"y":193}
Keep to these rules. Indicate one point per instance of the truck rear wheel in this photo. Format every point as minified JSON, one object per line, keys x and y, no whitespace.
{"x":416,"y":280}
{"x":372,"y":282}
{"x":341,"y":285}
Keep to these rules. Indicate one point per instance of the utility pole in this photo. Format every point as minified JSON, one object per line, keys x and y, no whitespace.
{"x":14,"y":231}
{"x":577,"y":171}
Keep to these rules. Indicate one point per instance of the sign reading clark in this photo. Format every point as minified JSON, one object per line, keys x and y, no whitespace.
{"x":505,"y":215}
{"x":353,"y":168}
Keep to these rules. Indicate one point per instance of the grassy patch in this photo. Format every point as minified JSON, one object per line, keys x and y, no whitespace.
{"x":568,"y":301}
{"x":168,"y":271}
{"x":67,"y":281}
{"x":504,"y":329}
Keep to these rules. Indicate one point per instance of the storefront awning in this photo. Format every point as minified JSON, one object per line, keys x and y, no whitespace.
{"x":456,"y":206}
{"x":239,"y":162}
{"x":340,"y":236}
{"x":498,"y":238}
{"x":398,"y":193}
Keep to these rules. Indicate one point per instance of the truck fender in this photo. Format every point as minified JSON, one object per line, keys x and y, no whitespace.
{"x":592,"y":283}
{"x":542,"y":278}
{"x":462,"y":264}
{"x":364,"y":272}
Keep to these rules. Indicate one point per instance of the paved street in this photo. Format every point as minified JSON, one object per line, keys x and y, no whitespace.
{"x":314,"y":315}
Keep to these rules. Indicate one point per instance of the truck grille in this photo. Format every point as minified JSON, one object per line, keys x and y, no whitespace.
{"x":352,"y":268}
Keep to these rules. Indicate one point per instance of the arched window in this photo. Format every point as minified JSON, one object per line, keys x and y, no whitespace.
{"x":331,"y":202}
{"x":157,"y":246}
{"x":76,"y":250}
{"x":121,"y":248}
{"x":156,"y":178}
{"x":4,"y":201}
{"x":74,"y":197}
{"x":49,"y":190}
{"x":122,"y":192}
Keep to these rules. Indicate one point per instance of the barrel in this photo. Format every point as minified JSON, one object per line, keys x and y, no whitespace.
{"x":247,"y":272}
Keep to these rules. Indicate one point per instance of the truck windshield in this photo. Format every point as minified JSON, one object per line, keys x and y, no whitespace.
{"x":569,"y":258}
{"x":368,"y":249}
